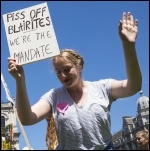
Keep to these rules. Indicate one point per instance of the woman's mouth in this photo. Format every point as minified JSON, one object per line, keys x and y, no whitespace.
{"x":65,"y":80}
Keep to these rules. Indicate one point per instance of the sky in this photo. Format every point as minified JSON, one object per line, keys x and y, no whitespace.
{"x":90,"y":28}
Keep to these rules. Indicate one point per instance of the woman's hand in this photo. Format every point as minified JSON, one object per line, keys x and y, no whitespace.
{"x":128,"y":29}
{"x":14,"y":69}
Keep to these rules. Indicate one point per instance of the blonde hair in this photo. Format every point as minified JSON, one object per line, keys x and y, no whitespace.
{"x":51,"y":136}
{"x":72,"y":55}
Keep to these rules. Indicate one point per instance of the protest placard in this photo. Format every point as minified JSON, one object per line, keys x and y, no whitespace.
{"x":30,"y":34}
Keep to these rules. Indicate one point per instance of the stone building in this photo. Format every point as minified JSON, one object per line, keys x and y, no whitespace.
{"x":125,"y":138}
{"x":11,"y":135}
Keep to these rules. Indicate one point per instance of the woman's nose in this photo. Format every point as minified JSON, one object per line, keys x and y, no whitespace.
{"x":63,"y":74}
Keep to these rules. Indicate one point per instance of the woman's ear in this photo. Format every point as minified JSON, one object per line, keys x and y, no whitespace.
{"x":80,"y":68}
{"x":147,"y":140}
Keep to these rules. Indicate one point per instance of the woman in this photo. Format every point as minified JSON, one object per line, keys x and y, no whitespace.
{"x":80,"y":109}
{"x":142,"y":138}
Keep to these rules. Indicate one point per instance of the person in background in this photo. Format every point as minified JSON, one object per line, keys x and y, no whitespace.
{"x":142,"y":138}
{"x":79,"y":109}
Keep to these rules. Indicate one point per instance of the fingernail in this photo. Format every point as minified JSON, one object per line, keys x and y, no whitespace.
{"x":14,"y":60}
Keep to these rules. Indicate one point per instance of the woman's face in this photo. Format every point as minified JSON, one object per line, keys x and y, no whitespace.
{"x":67,"y":72}
{"x":142,"y":141}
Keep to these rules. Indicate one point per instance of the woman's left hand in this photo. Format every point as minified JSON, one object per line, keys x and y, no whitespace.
{"x":128,"y":29}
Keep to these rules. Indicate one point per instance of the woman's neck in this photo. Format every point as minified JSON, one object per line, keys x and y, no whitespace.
{"x":79,"y":94}
{"x":146,"y":147}
{"x":78,"y":88}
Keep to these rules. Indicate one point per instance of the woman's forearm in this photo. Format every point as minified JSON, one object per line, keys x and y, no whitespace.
{"x":134,"y":76}
{"x":22,"y":103}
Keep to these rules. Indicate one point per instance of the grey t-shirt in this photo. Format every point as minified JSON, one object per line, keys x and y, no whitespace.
{"x":86,"y":127}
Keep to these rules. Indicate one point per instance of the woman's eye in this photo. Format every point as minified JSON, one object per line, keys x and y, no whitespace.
{"x":58,"y":72}
{"x":67,"y":69}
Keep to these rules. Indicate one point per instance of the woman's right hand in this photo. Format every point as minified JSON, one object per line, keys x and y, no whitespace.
{"x":14,"y":69}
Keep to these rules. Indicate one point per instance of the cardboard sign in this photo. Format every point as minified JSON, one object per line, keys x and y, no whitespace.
{"x":30,"y":34}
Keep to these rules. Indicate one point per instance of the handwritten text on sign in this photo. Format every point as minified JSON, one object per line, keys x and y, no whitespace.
{"x":30,"y":34}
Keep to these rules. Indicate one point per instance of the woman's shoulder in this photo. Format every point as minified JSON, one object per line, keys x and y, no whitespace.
{"x":55,"y":90}
{"x":101,"y":81}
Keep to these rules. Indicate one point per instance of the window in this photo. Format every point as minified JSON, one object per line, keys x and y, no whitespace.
{"x":2,"y":121}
